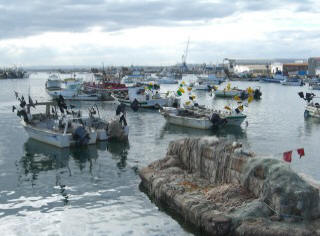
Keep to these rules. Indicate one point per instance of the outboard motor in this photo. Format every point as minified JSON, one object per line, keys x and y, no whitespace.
{"x":216,"y":120}
{"x":309,"y":97}
{"x":135,"y":105}
{"x":243,"y":95}
{"x":257,"y":94}
{"x":81,"y":136}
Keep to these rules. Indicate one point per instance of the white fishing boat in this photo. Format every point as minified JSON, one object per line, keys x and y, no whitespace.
{"x":314,"y":86}
{"x":207,"y":82}
{"x":276,"y":78}
{"x":292,"y":81}
{"x":53,"y":83}
{"x":229,"y":92}
{"x":202,"y":118}
{"x":146,"y":96}
{"x":57,"y":130}
{"x":72,"y":90}
{"x":312,"y":108}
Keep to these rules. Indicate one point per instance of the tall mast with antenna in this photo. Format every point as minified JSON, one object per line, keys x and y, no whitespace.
{"x":184,"y":57}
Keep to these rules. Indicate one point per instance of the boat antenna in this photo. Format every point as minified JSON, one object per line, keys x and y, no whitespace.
{"x":185,"y":55}
{"x":97,"y":109}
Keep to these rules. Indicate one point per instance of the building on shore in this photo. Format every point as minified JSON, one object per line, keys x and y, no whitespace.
{"x":299,"y":68}
{"x":263,"y":66}
{"x":314,"y":66}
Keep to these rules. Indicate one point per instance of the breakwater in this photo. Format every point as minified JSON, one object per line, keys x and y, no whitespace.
{"x":216,"y":186}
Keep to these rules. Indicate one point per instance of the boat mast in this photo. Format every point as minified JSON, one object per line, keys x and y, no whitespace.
{"x":184,"y":57}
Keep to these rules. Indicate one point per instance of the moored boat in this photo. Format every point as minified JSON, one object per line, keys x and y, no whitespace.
{"x":235,"y":92}
{"x":314,"y":86}
{"x":53,"y":83}
{"x":49,"y":127}
{"x":146,"y":96}
{"x":207,"y":82}
{"x":276,"y":78}
{"x":312,"y":108}
{"x":292,"y":81}
{"x":202,"y":118}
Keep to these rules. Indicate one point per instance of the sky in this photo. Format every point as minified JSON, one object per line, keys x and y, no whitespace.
{"x":137,"y":32}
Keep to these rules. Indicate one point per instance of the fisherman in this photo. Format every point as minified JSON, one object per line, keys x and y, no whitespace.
{"x":122,"y":113}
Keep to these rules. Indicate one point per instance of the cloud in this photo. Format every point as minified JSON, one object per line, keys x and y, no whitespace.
{"x":23,"y":18}
{"x":20,"y":18}
{"x":35,"y":32}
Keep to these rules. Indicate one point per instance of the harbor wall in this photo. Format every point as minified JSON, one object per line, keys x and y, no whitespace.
{"x":222,"y":189}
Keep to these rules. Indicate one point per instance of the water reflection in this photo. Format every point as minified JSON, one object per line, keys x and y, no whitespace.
{"x":233,"y":132}
{"x":310,"y":125}
{"x":43,"y":157}
{"x":119,"y":151}
{"x":84,"y":156}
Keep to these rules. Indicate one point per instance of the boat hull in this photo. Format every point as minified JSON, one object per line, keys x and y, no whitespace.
{"x":204,"y":123}
{"x":74,"y":96}
{"x":56,"y":139}
{"x":199,"y":123}
{"x":204,"y":86}
{"x":312,"y":111}
{"x":53,"y":84}
{"x":235,"y":120}
{"x":227,"y":94}
{"x":154,"y":104}
{"x":271,"y":80}
{"x":291,"y":83}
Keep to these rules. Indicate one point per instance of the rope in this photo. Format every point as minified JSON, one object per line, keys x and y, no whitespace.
{"x":282,"y":215}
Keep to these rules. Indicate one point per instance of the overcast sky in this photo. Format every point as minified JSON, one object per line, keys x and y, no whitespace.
{"x":125,"y":32}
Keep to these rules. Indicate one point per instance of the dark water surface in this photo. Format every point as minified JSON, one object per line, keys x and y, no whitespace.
{"x":95,"y":190}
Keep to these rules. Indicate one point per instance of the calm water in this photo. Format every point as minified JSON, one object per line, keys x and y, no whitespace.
{"x":95,"y":190}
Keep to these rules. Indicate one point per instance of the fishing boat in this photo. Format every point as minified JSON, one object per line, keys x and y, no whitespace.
{"x":312,"y":108}
{"x":73,"y":90}
{"x":13,"y":73}
{"x":314,"y":84}
{"x":292,"y":81}
{"x":146,"y":96}
{"x":104,"y":87}
{"x":276,"y":78}
{"x":59,"y":130}
{"x":207,"y":82}
{"x":229,"y":92}
{"x":202,"y":118}
{"x":116,"y":128}
{"x":53,"y":83}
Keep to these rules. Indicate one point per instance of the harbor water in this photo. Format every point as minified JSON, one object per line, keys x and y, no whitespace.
{"x":95,"y":190}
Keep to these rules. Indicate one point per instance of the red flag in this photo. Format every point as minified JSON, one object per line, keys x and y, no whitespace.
{"x":287,"y":156}
{"x":300,"y":152}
